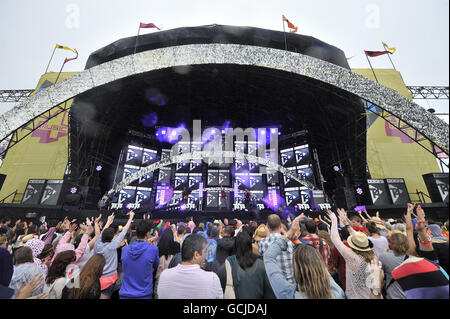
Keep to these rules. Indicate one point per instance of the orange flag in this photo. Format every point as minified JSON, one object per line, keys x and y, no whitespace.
{"x":290,"y":25}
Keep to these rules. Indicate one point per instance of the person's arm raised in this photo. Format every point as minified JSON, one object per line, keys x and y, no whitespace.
{"x":116,"y":241}
{"x":410,"y":231}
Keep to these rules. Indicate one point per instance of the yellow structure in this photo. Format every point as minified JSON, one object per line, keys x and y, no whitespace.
{"x":42,"y":154}
{"x":390,"y":153}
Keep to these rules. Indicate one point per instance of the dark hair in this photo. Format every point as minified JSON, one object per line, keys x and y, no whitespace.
{"x":193,"y":243}
{"x":372,"y":228}
{"x":311,"y":226}
{"x":142,"y":228}
{"x":77,"y":240}
{"x":196,"y":230}
{"x":244,"y":253}
{"x":344,"y":233}
{"x":167,"y":245}
{"x":23,"y":255}
{"x":108,"y":235}
{"x":92,"y":271}
{"x":58,"y":267}
{"x":181,"y":229}
{"x":32,"y":229}
{"x":187,"y":230}
{"x":322,"y":226}
{"x":229,"y":231}
{"x":249,"y":230}
{"x":47,"y":250}
{"x":20,"y":230}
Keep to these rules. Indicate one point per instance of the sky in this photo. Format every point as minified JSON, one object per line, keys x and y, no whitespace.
{"x":418,"y":29}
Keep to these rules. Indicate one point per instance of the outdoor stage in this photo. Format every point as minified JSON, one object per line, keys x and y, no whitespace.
{"x":297,"y":100}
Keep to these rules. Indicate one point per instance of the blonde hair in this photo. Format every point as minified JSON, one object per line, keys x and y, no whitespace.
{"x":399,"y":243}
{"x":367,"y":255}
{"x":310,"y":273}
{"x":3,"y":239}
{"x":325,"y":235}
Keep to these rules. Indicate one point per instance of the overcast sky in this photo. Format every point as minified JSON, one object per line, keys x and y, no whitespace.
{"x":418,"y":29}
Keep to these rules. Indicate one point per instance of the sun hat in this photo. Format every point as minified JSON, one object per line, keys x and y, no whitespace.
{"x":260,"y":232}
{"x":359,"y":241}
{"x":378,"y":222}
{"x":216,"y":222}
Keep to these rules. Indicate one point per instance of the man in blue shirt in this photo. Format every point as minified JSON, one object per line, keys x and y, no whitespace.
{"x":139,"y":261}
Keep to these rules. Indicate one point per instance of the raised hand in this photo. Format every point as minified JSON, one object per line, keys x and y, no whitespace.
{"x":26,"y":291}
{"x":72,"y":228}
{"x":98,"y":218}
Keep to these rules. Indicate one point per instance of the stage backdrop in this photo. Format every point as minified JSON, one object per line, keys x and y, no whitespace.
{"x":42,"y":154}
{"x":390,"y":153}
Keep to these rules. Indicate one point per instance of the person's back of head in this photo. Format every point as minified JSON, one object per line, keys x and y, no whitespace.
{"x":344,"y":233}
{"x":398,"y":243}
{"x":108,"y":235}
{"x":310,"y":273}
{"x":32,"y":229}
{"x":143,"y":228}
{"x":311,"y":226}
{"x":58,"y":267}
{"x":23,"y":255}
{"x":92,"y":271}
{"x":181,"y":230}
{"x":228,"y":231}
{"x":193,"y":244}
{"x":273,"y":223}
{"x":244,"y":253}
{"x":372,"y":228}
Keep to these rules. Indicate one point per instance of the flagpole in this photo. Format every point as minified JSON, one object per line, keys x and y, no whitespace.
{"x":284,"y":31}
{"x":390,"y":59}
{"x":371,"y":67}
{"x":54,"y":49}
{"x":135,"y":44}
{"x":60,"y":72}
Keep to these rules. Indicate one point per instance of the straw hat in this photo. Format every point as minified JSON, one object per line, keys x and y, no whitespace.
{"x":260,"y":232}
{"x":359,"y":241}
{"x":378,"y":222}
{"x":216,"y":222}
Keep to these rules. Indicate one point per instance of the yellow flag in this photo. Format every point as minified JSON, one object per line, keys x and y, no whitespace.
{"x":388,"y":48}
{"x":58,"y":46}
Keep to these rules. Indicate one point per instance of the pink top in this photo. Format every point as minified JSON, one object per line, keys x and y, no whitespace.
{"x":64,"y":244}
{"x":356,"y":268}
{"x":189,"y":282}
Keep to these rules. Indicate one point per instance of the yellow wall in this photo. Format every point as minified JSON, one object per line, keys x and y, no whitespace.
{"x":389,"y":153}
{"x":42,"y":154}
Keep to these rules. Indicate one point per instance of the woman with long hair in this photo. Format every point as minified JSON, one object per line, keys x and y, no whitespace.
{"x":89,"y":280}
{"x":56,"y":277}
{"x":248,"y":273}
{"x":357,"y":255}
{"x":168,"y":247}
{"x":310,"y":272}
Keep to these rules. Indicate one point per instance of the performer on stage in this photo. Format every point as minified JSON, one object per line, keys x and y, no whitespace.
{"x":223,"y":196}
{"x":186,"y":193}
{"x":247,"y":198}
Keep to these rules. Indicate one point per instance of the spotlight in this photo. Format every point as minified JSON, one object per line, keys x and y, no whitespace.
{"x":223,"y":131}
{"x":163,"y":132}
{"x":183,"y":207}
{"x":174,"y":133}
{"x":336,"y":168}
{"x":273,"y":130}
{"x":98,"y":168}
{"x":73,"y":190}
{"x":359,"y":191}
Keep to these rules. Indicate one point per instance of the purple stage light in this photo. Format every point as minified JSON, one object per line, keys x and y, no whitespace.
{"x":273,"y":200}
{"x":223,"y":131}
{"x":336,"y":168}
{"x":183,"y":207}
{"x":128,"y":206}
{"x":359,"y":191}
{"x":163,"y":132}
{"x":99,"y":168}
{"x":73,"y":190}
{"x":174,"y":133}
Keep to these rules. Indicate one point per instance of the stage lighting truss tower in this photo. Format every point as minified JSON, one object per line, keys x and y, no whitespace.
{"x":429,"y":92}
{"x":14,"y":95}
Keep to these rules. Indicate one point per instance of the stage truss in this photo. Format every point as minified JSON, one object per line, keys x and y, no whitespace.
{"x":428,"y":128}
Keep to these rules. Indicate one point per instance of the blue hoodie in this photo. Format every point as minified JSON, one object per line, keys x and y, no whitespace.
{"x":139,"y":260}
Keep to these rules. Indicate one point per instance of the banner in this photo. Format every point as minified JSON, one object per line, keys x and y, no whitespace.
{"x":42,"y":154}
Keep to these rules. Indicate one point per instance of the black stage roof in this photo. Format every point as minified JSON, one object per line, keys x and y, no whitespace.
{"x":247,"y":96}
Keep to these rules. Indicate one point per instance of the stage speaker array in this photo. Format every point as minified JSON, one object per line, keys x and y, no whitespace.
{"x":397,"y":191}
{"x":379,"y":192}
{"x":437,"y":186}
{"x":43,"y":192}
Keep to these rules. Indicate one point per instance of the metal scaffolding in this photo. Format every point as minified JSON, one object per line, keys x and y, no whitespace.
{"x":429,"y":92}
{"x":14,"y":95}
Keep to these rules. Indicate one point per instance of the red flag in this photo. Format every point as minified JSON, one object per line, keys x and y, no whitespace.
{"x":148,"y":25}
{"x":376,"y":53}
{"x":290,"y":25}
{"x":67,"y":60}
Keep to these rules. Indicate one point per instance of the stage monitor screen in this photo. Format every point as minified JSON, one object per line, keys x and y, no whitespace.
{"x":164,"y":195}
{"x":127,"y":196}
{"x":143,"y":197}
{"x":195,"y":166}
{"x":181,"y":181}
{"x":129,"y":170}
{"x":292,"y":196}
{"x":134,"y":155}
{"x":254,"y":167}
{"x":306,"y":172}
{"x":193,"y":201}
{"x":240,"y":166}
{"x":287,"y":157}
{"x":213,"y":177}
{"x":256,"y":181}
{"x":165,"y":154}
{"x":223,"y":177}
{"x":182,"y":167}
{"x":272,"y":177}
{"x":145,"y":180}
{"x":164,"y":175}
{"x":242,"y":180}
{"x":212,"y":199}
{"x":240,"y":147}
{"x":194,"y":180}
{"x":290,"y":182}
{"x":302,"y":155}
{"x":149,"y":157}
